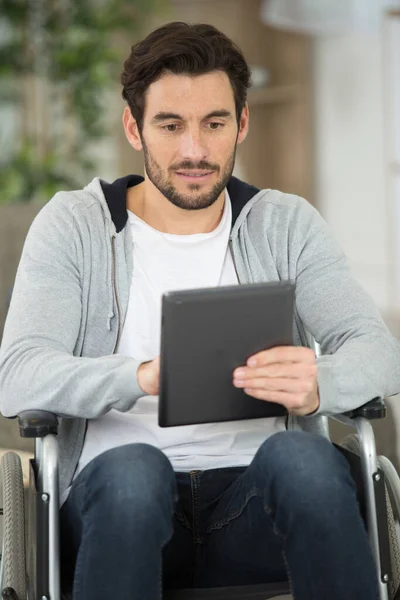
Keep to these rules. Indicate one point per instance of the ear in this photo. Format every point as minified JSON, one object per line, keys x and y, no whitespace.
{"x":243,"y":124}
{"x":131,"y":129}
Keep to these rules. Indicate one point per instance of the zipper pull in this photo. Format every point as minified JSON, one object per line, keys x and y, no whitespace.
{"x":109,"y":317}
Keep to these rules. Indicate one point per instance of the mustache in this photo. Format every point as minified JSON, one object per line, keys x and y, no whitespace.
{"x":202,"y":165}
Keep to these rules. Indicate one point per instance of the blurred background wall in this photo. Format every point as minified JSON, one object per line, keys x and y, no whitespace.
{"x":325,"y":118}
{"x":354,"y":154}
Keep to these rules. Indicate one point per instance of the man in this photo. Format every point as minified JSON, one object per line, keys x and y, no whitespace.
{"x":209,"y":505}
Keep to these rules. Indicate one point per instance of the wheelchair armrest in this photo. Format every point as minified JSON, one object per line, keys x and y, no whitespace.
{"x":37,"y":423}
{"x":374,"y":409}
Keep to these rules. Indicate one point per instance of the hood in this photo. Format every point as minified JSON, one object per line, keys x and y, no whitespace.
{"x":240,"y":193}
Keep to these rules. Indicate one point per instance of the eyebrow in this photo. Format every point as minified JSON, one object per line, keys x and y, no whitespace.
{"x":163,"y":116}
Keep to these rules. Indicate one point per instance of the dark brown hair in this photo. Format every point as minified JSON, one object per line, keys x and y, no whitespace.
{"x":182,"y":48}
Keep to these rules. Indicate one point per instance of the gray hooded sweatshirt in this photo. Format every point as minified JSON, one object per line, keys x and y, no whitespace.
{"x":71,"y":295}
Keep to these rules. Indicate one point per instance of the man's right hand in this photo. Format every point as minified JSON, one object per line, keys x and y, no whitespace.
{"x":148,"y":375}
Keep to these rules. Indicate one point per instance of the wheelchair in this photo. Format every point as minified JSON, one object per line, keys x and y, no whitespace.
{"x":30,"y":559}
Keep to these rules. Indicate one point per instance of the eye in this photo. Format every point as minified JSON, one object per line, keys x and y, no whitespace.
{"x":171,"y":127}
{"x":214,"y":125}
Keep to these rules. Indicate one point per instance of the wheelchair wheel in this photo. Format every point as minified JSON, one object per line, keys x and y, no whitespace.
{"x":392,"y":491}
{"x":13,"y":572}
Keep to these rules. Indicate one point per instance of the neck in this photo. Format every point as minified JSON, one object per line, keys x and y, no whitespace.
{"x":147,"y":202}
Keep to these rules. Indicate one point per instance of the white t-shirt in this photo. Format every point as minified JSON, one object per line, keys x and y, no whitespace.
{"x":166,"y":262}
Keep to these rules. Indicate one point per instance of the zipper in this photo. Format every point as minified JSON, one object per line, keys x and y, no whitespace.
{"x":300,"y":328}
{"x":233,"y":259}
{"x":114,"y":262}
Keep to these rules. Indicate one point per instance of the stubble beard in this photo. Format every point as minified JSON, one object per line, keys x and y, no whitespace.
{"x":185,"y":201}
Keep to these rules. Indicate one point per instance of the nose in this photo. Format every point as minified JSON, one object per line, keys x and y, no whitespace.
{"x":193,"y":146}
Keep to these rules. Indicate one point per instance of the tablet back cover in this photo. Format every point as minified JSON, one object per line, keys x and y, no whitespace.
{"x":205,"y":335}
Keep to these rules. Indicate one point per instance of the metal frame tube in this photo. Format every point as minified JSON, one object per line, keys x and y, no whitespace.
{"x":49,"y":485}
{"x":369,"y":465}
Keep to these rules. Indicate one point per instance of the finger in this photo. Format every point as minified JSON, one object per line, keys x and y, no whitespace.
{"x":293,"y":403}
{"x":280,"y":370}
{"x":284,"y":398}
{"x":292,"y":386}
{"x":282,"y":354}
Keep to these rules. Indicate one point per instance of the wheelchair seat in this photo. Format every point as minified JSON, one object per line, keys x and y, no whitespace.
{"x":273,"y":591}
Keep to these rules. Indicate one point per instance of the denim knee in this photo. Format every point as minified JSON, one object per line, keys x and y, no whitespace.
{"x":304,"y":469}
{"x":130,"y":479}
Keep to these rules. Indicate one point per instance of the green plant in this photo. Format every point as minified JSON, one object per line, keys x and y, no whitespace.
{"x":57,"y":61}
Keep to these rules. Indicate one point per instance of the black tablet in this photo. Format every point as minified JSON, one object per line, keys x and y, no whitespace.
{"x":205,"y":335}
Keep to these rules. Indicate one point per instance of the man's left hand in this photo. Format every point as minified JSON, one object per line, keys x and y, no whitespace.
{"x":286,"y":375}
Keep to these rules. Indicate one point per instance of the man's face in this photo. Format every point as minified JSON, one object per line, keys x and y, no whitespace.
{"x":189,"y":137}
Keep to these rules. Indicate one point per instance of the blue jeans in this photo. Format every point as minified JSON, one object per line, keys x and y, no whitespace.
{"x":130,"y":522}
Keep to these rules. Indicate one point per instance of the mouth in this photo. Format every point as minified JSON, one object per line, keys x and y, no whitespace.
{"x":193,"y":175}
